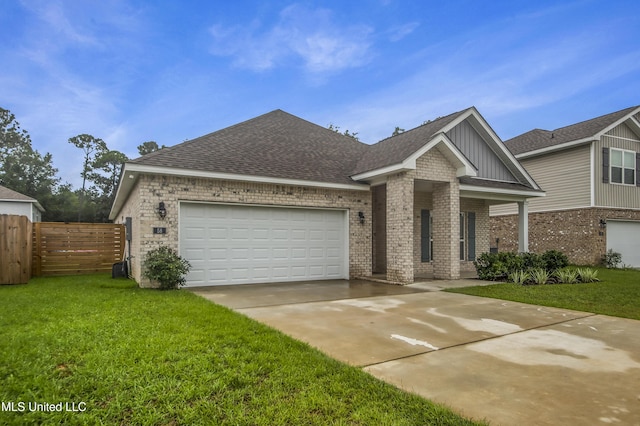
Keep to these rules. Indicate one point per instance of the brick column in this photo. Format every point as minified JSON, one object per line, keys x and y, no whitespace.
{"x":400,"y":228}
{"x":446,"y":230}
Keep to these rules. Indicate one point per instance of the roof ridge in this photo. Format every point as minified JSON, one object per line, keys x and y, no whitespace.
{"x":596,"y":118}
{"x":426,"y":123}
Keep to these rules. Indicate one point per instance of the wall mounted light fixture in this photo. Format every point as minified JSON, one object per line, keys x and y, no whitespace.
{"x":161,"y":210}
{"x":603,"y":223}
{"x":361,"y":216}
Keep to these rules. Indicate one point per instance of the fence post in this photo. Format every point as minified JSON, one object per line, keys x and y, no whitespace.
{"x":37,"y":256}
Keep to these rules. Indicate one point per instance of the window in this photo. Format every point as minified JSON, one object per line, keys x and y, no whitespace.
{"x":623,"y":167}
{"x":467,"y":237}
{"x":462,"y":236}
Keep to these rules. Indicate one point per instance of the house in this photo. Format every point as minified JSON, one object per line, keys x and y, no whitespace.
{"x":591,"y":174}
{"x":277,"y":198}
{"x":15,"y":203}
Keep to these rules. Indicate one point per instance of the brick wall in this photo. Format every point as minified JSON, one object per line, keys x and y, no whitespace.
{"x":151,"y":189}
{"x":577,"y":232}
{"x":400,"y":227}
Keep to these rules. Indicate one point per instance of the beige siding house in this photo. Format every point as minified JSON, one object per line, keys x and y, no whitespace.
{"x":590,"y":172}
{"x":277,"y":198}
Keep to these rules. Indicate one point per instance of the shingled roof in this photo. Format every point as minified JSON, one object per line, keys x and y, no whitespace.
{"x":536,"y":139}
{"x":10,"y":194}
{"x":276,"y":144}
{"x":395,"y":149}
{"x":7,"y":194}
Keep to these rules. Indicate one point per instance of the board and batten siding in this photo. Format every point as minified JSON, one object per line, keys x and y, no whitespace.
{"x":565,"y":176}
{"x":611,"y":194}
{"x":476,"y":149}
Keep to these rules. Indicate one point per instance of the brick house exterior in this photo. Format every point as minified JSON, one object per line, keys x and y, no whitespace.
{"x":590,"y":206}
{"x":361,"y":208}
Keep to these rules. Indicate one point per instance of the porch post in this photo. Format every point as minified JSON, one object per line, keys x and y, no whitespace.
{"x":523,"y":226}
{"x":446,"y":231}
{"x":400,"y":228}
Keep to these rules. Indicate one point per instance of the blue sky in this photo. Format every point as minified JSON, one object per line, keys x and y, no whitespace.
{"x":134,"y":71}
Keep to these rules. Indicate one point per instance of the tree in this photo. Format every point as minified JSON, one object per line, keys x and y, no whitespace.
{"x":149,"y":147}
{"x":397,"y":131}
{"x":63,"y":205}
{"x":336,"y":129}
{"x":22,"y":168}
{"x":105,"y":174}
{"x":11,"y":135}
{"x":92,"y":148}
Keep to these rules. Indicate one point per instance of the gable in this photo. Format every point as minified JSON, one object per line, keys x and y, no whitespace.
{"x":476,"y":149}
{"x":623,"y":131}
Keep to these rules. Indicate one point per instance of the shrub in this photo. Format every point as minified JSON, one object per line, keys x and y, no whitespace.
{"x":554,"y":260}
{"x":587,"y":275}
{"x":497,"y":266}
{"x":165,"y":266}
{"x":519,"y":277}
{"x":567,"y":276}
{"x":611,"y":259}
{"x":539,"y":276}
{"x":532,"y":261}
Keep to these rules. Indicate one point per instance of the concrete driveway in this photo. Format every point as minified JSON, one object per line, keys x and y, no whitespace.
{"x":505,"y":362}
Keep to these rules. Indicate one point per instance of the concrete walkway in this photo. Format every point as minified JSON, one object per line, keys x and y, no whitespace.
{"x":505,"y":362}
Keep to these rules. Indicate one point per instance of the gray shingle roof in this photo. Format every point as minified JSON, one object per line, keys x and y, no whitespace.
{"x":276,"y":144}
{"x":281,"y":145}
{"x":396,"y":149}
{"x":9,"y":194}
{"x":538,"y":139}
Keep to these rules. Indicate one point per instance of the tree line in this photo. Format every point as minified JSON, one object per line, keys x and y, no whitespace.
{"x":27,"y":171}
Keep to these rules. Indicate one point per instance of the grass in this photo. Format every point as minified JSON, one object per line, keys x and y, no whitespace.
{"x":133,"y":356}
{"x":617,"y":294}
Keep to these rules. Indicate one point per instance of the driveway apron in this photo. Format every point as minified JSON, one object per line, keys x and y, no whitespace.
{"x":505,"y":362}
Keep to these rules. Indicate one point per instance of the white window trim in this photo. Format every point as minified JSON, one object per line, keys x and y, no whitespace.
{"x":463,"y":236}
{"x":622,"y":151}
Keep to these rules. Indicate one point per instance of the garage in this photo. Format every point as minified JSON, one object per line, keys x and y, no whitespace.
{"x":244,"y":244}
{"x":624,"y":238}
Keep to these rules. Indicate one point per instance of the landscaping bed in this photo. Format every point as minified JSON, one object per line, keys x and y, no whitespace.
{"x":108,"y":352}
{"x":617,"y":293}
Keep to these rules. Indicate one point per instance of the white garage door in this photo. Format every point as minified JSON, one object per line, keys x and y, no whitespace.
{"x":234,"y":244}
{"x":624,"y":237}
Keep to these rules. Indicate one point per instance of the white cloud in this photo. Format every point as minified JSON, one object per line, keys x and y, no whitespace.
{"x":310,"y":35}
{"x":400,"y":32}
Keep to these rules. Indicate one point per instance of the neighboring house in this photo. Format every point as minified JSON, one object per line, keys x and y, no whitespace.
{"x":277,"y":198}
{"x":591,"y":174}
{"x":12,"y":202}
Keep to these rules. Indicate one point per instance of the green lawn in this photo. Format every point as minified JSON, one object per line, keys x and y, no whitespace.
{"x":126,"y":355}
{"x":617,"y":294}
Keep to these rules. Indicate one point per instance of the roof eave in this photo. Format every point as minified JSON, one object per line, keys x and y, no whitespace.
{"x":498,"y":194}
{"x":463,"y":166}
{"x":553,"y":148}
{"x":131,"y":171}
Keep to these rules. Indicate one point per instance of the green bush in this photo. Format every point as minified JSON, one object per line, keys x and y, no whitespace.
{"x":497,"y":266}
{"x":567,"y":276}
{"x":165,"y":266}
{"x":554,"y":260}
{"x":587,"y":275}
{"x":539,"y":276}
{"x":500,"y":266}
{"x":519,"y":277}
{"x":532,"y":261}
{"x":611,"y":259}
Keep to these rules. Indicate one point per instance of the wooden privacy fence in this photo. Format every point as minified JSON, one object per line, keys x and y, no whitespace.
{"x":76,"y":248}
{"x":15,"y":249}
